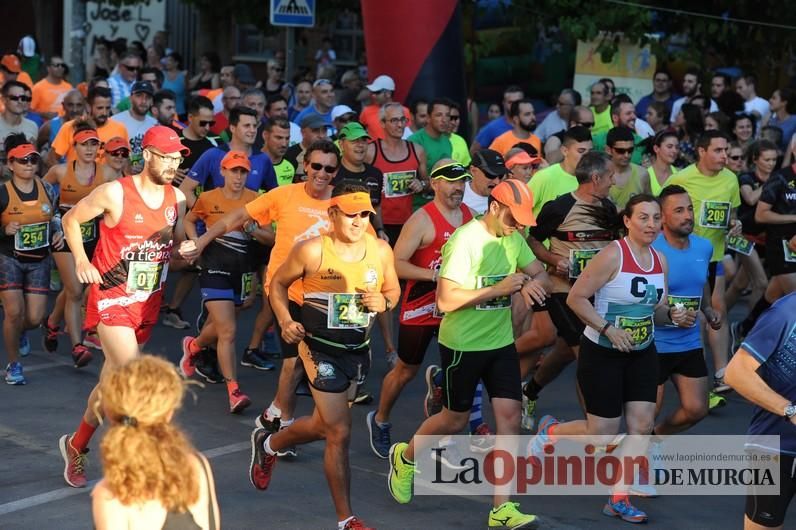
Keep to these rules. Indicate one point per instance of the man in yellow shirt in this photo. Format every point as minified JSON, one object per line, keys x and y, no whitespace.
{"x":601,"y":108}
{"x":48,"y":93}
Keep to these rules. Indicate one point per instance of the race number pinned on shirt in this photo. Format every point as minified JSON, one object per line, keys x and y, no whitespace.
{"x":88,"y":231}
{"x":346,"y":310}
{"x":396,"y":183}
{"x":715,"y":214}
{"x":640,"y":328}
{"x":689,"y":303}
{"x":740,"y":244}
{"x":144,"y":276}
{"x":501,"y":302}
{"x":790,"y":256}
{"x":32,"y":237}
{"x":578,"y":259}
{"x":246,"y":284}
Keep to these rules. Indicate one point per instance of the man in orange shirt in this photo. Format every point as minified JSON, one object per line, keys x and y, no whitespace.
{"x":381,"y":90}
{"x":523,"y":119}
{"x":48,"y":93}
{"x":12,"y":70}
{"x":99,"y":105}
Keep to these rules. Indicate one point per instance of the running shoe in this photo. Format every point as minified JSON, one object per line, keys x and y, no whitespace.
{"x":269,"y":425}
{"x":719,"y":386}
{"x":49,"y":337}
{"x":356,"y":524}
{"x":14,"y":375}
{"x":253,"y":359}
{"x":736,"y":336}
{"x":188,"y":359}
{"x":92,"y":340}
{"x":528,"y":421}
{"x":433,"y":402}
{"x":238,"y":401}
{"x":74,"y":462}
{"x":624,"y":510}
{"x":716,"y":401}
{"x":400,"y":480}
{"x":81,"y":355}
{"x":482,"y":440}
{"x":392,"y":359}
{"x":261,"y":464}
{"x":448,"y":455}
{"x":542,"y":439}
{"x":173,"y":319}
{"x":206,"y":365}
{"x":507,"y":516}
{"x":289,"y":451}
{"x":363,"y":397}
{"x":379,"y":436}
{"x":24,"y":344}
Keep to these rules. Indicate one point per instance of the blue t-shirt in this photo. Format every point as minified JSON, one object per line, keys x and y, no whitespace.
{"x":311,"y":110}
{"x":35,"y":118}
{"x":773,"y":343}
{"x":207,"y":171}
{"x":492,"y":130}
{"x":688,"y":272}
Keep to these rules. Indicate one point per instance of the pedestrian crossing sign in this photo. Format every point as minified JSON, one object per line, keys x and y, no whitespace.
{"x":293,"y":13}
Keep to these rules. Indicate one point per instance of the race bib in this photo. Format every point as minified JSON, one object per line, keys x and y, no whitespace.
{"x":715,"y":214}
{"x":501,"y":302}
{"x":692,"y":303}
{"x":246,"y":285}
{"x":88,"y":231}
{"x":396,"y":183}
{"x":640,"y":328}
{"x":790,"y":256}
{"x":144,"y":276}
{"x":740,"y":244}
{"x":346,"y":310}
{"x":578,"y":259}
{"x":32,"y":237}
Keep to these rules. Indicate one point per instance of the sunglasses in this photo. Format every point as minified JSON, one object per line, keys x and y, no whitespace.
{"x":131,"y":68}
{"x":207,"y":123}
{"x":58,"y":65}
{"x":622,"y":150}
{"x":588,"y":124}
{"x":123,"y":153}
{"x":361,"y":215}
{"x":30,"y":160}
{"x":277,"y":69}
{"x":26,"y":99}
{"x":455,"y":118}
{"x":736,"y":157}
{"x":317,"y":167}
{"x":489,"y":175}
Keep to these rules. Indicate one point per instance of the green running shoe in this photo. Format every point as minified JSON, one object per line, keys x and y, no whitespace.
{"x":508,"y":517}
{"x":400,"y":480}
{"x":716,"y":401}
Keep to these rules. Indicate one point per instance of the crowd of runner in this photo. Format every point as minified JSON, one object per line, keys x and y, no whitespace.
{"x":617,"y":235}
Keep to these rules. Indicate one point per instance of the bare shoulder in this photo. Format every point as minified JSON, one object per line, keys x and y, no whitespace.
{"x":179,"y":193}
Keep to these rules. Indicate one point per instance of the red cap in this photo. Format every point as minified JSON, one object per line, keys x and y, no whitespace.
{"x":235,"y":159}
{"x":86,"y":135}
{"x":11,"y":63}
{"x":117,"y":142}
{"x":21,"y":151}
{"x":516,"y":195}
{"x":165,"y":140}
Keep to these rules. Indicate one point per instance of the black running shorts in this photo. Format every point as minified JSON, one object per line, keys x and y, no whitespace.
{"x":769,"y":510}
{"x":688,"y":364}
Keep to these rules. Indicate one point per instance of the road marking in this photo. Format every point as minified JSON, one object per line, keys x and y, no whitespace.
{"x":43,"y":366}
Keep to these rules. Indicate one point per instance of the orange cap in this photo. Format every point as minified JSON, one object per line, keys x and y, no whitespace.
{"x":86,"y":135}
{"x":117,"y":142}
{"x":235,"y":159}
{"x":353,"y":203}
{"x":516,"y":195}
{"x":11,"y":63}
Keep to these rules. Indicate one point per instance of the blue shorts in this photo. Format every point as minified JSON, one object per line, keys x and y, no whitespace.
{"x":30,"y":277}
{"x":216,"y":284}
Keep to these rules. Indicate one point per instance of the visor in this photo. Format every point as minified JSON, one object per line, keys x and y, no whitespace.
{"x":21,"y":151}
{"x":451,"y":172}
{"x":353,"y":203}
{"x":86,"y":135}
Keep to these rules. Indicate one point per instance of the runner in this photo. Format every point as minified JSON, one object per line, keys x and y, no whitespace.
{"x":301,"y":212}
{"x":663,"y":150}
{"x":479,"y":343}
{"x":347,"y":276}
{"x":227,"y":275}
{"x":680,"y":353}
{"x":29,"y":233}
{"x":418,"y":255}
{"x":575,"y":236}
{"x":117,"y":151}
{"x":761,"y":372}
{"x":628,"y":179}
{"x":75,"y":180}
{"x":714,"y":192}
{"x":136,"y":236}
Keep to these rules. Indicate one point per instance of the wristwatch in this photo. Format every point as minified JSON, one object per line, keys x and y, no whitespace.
{"x":790,"y":411}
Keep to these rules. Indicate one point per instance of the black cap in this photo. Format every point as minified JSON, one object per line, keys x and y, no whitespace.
{"x":243,"y":74}
{"x":143,"y":86}
{"x":313,"y":121}
{"x":490,"y":161}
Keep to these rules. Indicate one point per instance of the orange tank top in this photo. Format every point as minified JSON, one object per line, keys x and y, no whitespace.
{"x":33,"y":236}
{"x":71,"y":188}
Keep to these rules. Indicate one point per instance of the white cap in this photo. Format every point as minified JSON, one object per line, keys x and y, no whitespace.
{"x":27,"y":46}
{"x":383,"y":82}
{"x":340,"y":110}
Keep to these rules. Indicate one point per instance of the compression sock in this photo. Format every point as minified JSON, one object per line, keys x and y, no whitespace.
{"x":83,"y":435}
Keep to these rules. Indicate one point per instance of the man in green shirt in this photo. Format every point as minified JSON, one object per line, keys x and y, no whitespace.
{"x":475,"y":287}
{"x":623,"y":114}
{"x":434,"y":137}
{"x":600,"y":107}
{"x":558,"y":179}
{"x":276,"y":138}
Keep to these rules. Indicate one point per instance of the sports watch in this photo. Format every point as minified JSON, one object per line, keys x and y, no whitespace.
{"x":790,"y":411}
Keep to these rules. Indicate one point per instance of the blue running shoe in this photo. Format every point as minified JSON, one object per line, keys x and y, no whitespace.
{"x":24,"y":345}
{"x":14,"y":374}
{"x":625,"y":511}
{"x":253,"y":359}
{"x":379,"y":436}
{"x":542,"y":439}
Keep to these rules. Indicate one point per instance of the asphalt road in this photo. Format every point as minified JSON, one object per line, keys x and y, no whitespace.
{"x":34,"y":495}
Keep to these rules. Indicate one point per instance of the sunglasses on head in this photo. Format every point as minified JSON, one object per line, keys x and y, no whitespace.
{"x":30,"y":160}
{"x":123,"y":153}
{"x":207,"y":123}
{"x":27,"y":99}
{"x":317,"y":167}
{"x":736,"y":157}
{"x":622,"y":150}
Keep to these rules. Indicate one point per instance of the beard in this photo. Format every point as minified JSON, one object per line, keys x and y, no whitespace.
{"x":162,"y":177}
{"x":530,"y":127}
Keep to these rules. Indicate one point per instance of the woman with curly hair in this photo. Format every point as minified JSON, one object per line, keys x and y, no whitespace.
{"x":154,"y":478}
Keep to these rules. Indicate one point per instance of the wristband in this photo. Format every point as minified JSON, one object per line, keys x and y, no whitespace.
{"x":605,"y":328}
